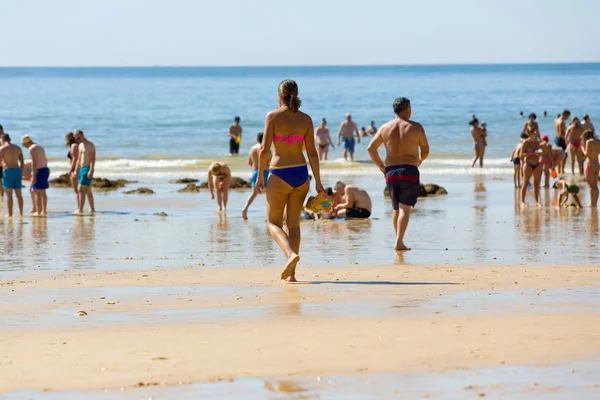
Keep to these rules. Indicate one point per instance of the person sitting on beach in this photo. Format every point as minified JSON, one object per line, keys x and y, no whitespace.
{"x":565,"y":190}
{"x":346,"y":132}
{"x":561,"y":131}
{"x":531,"y":127}
{"x":329,"y":214}
{"x":40,"y":173}
{"x":86,"y":165}
{"x":546,"y":159}
{"x":479,"y":142}
{"x":253,"y":162}
{"x":219,"y":179}
{"x":73,"y":156}
{"x":11,"y":158}
{"x":514,"y":158}
{"x":323,"y":140}
{"x":287,"y":129}
{"x":235,"y":136}
{"x":353,"y":202}
{"x":372,"y":129}
{"x":591,"y":150}
{"x":402,"y":139}
{"x":573,"y":137}
{"x":587,"y":125}
{"x":558,"y":159}
{"x":530,"y":159}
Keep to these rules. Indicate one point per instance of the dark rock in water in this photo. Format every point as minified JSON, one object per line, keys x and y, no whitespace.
{"x":98,"y":183}
{"x":142,"y":190}
{"x":427,"y":190}
{"x":236,"y":183}
{"x":161,"y":214}
{"x":185,"y":180}
{"x":190,"y":188}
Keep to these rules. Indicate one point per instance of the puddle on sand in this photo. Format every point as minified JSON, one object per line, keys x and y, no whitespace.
{"x":580,"y":380}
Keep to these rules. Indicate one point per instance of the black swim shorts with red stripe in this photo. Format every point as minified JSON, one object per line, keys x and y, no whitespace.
{"x":403,"y":184}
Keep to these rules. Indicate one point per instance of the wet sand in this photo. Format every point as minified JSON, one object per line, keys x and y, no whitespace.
{"x":166,"y":326}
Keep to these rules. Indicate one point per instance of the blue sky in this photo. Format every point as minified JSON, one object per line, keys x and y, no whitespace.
{"x":303,"y":32}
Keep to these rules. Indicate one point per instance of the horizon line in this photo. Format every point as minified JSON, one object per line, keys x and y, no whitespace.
{"x":308,"y":65}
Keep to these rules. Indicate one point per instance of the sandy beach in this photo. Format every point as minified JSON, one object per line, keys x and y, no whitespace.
{"x":163,"y":327}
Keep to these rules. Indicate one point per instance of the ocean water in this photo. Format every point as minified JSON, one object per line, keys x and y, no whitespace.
{"x":156,"y":122}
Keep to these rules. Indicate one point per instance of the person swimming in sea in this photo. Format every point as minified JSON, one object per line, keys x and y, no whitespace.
{"x":514,"y":158}
{"x":219,"y":179}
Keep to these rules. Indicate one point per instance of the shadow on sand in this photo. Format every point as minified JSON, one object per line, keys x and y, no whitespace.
{"x":372,"y":283}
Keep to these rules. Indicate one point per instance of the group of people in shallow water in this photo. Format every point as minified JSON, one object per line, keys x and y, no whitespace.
{"x":14,"y":169}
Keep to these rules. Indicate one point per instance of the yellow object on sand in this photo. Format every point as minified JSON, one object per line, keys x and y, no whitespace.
{"x":320,"y":203}
{"x":238,"y":139}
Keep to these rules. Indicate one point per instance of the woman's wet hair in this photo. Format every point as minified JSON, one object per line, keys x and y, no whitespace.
{"x":587,"y":135}
{"x":532,"y":115}
{"x":70,"y":139}
{"x":288,"y":91}
{"x":473,"y":122}
{"x":524,"y":135}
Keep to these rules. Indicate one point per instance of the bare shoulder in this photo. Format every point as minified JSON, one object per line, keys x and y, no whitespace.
{"x":415,"y":126}
{"x":305,"y":118}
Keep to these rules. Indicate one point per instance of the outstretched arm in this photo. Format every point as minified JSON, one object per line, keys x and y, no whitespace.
{"x":313,"y":157}
{"x":423,"y":146}
{"x":373,"y":150}
{"x":340,"y":133}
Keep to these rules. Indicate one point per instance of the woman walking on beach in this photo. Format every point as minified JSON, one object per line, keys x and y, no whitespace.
{"x":287,"y":129}
{"x":591,"y":150}
{"x":479,"y":142}
{"x":323,"y":140}
{"x":73,"y":156}
{"x":219,"y":178}
{"x":530,"y":157}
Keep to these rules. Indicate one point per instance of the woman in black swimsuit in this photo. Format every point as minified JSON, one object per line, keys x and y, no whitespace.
{"x":72,"y":155}
{"x":530,"y":159}
{"x":323,"y":140}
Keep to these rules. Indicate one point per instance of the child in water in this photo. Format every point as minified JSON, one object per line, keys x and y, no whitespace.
{"x":514,"y":158}
{"x":565,"y":190}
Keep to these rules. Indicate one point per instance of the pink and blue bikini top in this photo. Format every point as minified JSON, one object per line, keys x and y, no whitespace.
{"x":288,"y":139}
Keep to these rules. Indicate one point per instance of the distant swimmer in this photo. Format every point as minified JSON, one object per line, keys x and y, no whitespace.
{"x":561,"y":131}
{"x":544,"y":114}
{"x":287,"y":129}
{"x":253,"y":162}
{"x":235,"y":136}
{"x":346,"y":132}
{"x":546,"y":159}
{"x":567,"y":189}
{"x":73,"y":157}
{"x":1,"y":167}
{"x":587,"y":125}
{"x":323,"y":140}
{"x":521,"y":114}
{"x":362,"y":132}
{"x":86,"y":165}
{"x":11,"y":158}
{"x":372,"y":129}
{"x":479,"y":142}
{"x":353,"y":202}
{"x":573,"y":137}
{"x":530,"y":159}
{"x":514,"y":158}
{"x":402,"y":139}
{"x":219,"y":179}
{"x":40,"y":173}
{"x":532,"y":127}
{"x":591,"y":150}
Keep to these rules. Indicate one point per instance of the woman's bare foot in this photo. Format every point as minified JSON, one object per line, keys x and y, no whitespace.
{"x":289,"y":273}
{"x":32,"y":211}
{"x":402,"y":247}
{"x":523,"y":205}
{"x":77,"y":212}
{"x":244,"y":214}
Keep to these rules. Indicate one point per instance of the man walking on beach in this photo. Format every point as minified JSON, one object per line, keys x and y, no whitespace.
{"x":86,"y":165}
{"x":347,"y":130}
{"x":235,"y":136}
{"x":39,"y":175}
{"x":11,"y":157}
{"x":403,"y":139}
{"x":253,"y":162}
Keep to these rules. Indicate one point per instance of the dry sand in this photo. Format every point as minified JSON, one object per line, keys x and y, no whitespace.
{"x":372,"y":320}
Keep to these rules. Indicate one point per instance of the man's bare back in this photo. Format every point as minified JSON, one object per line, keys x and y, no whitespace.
{"x":358,"y":198}
{"x":11,"y":156}
{"x":559,"y":127}
{"x":402,"y":140}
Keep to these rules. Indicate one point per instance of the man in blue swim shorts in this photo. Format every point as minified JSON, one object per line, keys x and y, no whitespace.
{"x":86,"y":165}
{"x":403,"y":140}
{"x":346,"y":132}
{"x":39,"y":176}
{"x":253,"y":162}
{"x":11,"y":158}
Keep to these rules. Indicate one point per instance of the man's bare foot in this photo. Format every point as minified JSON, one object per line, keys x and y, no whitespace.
{"x":538,"y":205}
{"x":77,"y":212}
{"x":289,"y":272}
{"x":8,"y":216}
{"x":523,"y":205}
{"x":92,"y":211}
{"x":244,"y":214}
{"x":32,"y":211}
{"x":402,"y":247}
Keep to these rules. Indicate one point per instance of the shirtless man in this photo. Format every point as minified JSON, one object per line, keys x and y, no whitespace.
{"x":11,"y":158}
{"x":323,"y":140}
{"x":219,"y":178}
{"x":235,"y":136}
{"x":591,"y":150}
{"x":402,"y":139}
{"x":253,"y":162}
{"x":1,"y":187}
{"x":479,"y":142}
{"x":546,"y":159}
{"x":531,"y":127}
{"x":561,"y":131}
{"x":573,"y":138}
{"x":372,"y":129}
{"x":39,"y":175}
{"x":86,"y":165}
{"x":353,"y":202}
{"x":347,"y":130}
{"x":587,"y":125}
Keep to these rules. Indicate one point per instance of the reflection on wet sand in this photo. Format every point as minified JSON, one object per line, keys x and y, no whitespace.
{"x":11,"y":248}
{"x":82,"y":245}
